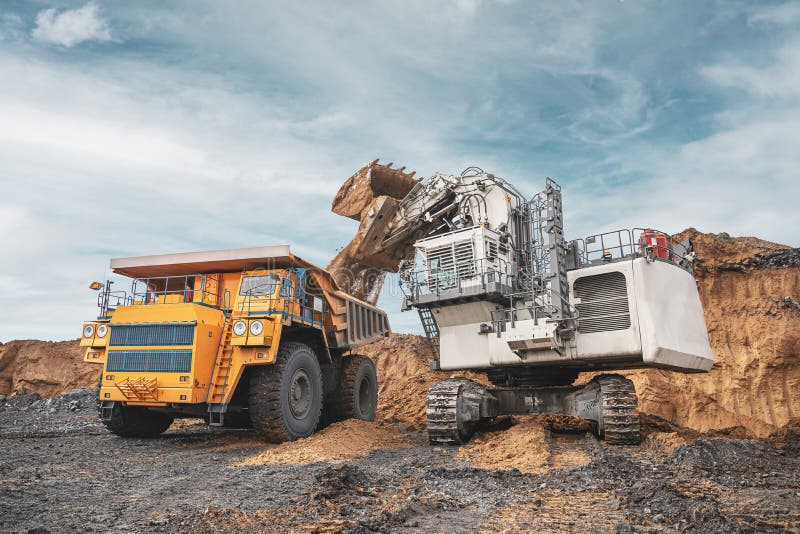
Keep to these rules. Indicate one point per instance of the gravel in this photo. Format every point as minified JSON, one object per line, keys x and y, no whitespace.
{"x":61,"y":471}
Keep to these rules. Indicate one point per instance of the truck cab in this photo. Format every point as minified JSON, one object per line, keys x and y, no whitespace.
{"x":247,"y":337}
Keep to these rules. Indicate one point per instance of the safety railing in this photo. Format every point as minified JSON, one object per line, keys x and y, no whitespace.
{"x":625,"y":244}
{"x":197,"y":288}
{"x":109,"y":301}
{"x":459,"y":277}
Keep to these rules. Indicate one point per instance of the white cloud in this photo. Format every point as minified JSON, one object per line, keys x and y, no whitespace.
{"x":71,"y":27}
{"x":781,"y":15}
{"x":235,"y":127}
{"x":743,"y":181}
{"x":780,"y":78}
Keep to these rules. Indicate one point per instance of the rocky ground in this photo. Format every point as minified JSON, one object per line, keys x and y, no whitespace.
{"x":60,"y":471}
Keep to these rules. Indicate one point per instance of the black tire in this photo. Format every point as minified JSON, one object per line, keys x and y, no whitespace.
{"x":286,"y":397}
{"x":137,"y":422}
{"x":359,"y":388}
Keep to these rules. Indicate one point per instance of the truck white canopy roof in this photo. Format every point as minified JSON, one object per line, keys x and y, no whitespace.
{"x":209,"y":261}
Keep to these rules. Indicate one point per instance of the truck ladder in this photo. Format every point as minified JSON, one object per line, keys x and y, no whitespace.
{"x":219,"y":377}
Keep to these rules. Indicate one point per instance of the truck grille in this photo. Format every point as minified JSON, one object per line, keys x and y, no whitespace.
{"x":148,"y":334}
{"x":157,"y":361}
{"x":604,"y":303}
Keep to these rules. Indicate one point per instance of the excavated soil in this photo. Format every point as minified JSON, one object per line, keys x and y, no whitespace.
{"x":44,"y":367}
{"x":404,"y":376}
{"x":339,"y":442}
{"x":528,"y":445}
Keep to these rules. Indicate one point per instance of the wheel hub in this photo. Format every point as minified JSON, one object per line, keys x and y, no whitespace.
{"x":364,"y":396}
{"x":300,"y":394}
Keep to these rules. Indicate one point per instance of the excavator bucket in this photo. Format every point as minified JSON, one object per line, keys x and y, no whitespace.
{"x":370,"y":182}
{"x":370,"y":196}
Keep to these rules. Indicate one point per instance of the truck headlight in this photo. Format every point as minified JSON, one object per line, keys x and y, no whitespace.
{"x":239,"y":328}
{"x":256,"y":327}
{"x":102,"y":330}
{"x":88,"y":330}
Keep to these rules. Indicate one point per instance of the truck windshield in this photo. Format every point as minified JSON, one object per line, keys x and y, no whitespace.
{"x":259,"y":285}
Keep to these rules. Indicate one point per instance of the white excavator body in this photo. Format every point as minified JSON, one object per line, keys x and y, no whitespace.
{"x":499,"y":290}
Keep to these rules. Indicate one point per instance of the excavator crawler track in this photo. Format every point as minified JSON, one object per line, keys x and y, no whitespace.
{"x":445,"y":421}
{"x":620,"y":417}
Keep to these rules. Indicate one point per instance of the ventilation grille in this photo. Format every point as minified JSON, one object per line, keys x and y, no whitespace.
{"x":138,"y":335}
{"x":157,"y":361}
{"x":604,"y":303}
{"x":448,"y":264}
{"x":491,"y":249}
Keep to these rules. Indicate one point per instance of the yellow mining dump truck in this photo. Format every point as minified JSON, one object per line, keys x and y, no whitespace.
{"x":249,"y":337}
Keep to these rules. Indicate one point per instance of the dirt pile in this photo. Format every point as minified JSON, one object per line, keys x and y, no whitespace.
{"x":755,"y":381}
{"x":528,"y":446}
{"x":402,"y":362}
{"x":336,"y":443}
{"x":522,"y":447}
{"x":44,"y":367}
{"x":787,"y":437}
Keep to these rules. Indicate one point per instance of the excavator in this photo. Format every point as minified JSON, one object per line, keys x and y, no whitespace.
{"x":500,"y":290}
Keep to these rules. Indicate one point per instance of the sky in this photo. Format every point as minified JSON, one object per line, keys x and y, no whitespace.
{"x":135,"y":128}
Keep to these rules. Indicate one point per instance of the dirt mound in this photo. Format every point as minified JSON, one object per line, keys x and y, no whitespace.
{"x":787,"y":437}
{"x":336,"y":443}
{"x":404,"y":376}
{"x":44,"y":367}
{"x":755,"y":381}
{"x":716,"y":250}
{"x":526,"y":446}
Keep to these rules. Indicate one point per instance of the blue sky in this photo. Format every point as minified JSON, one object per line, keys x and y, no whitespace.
{"x":131,"y":128}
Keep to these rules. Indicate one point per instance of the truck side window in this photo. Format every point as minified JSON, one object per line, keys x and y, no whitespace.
{"x":286,"y":287}
{"x":300,"y":290}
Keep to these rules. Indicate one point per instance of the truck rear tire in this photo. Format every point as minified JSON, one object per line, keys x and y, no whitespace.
{"x":359,"y":388}
{"x":286,"y":397}
{"x":137,"y":422}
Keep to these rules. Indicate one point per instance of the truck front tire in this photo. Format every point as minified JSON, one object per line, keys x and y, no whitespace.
{"x":286,"y":397}
{"x":137,"y":422}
